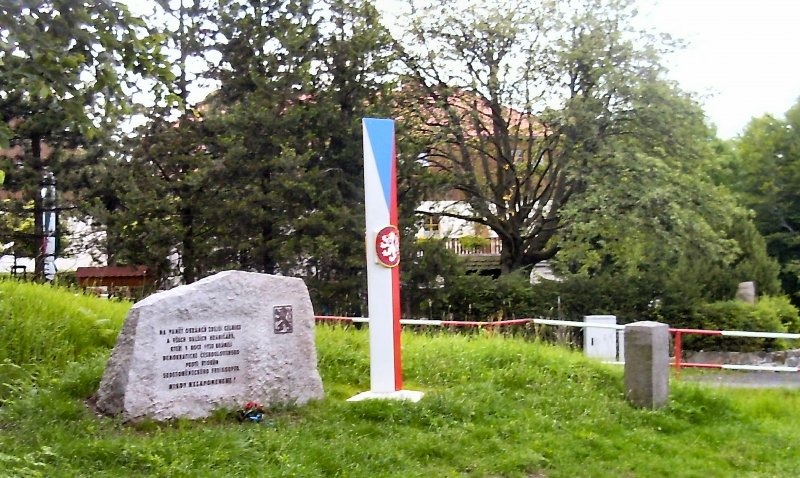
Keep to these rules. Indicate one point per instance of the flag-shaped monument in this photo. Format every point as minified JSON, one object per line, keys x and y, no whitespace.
{"x":383,"y":259}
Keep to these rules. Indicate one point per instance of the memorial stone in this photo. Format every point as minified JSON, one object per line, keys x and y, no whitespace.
{"x":746,"y":292}
{"x":220,"y":342}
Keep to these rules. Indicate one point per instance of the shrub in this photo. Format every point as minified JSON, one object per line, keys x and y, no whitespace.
{"x":427,"y":274}
{"x":475,"y":297}
{"x":473,"y":243}
{"x":781,"y":308}
{"x":626,"y":298}
{"x":483,"y":298}
{"x":770,"y":314}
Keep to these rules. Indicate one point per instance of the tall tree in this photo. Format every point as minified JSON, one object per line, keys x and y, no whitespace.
{"x":354,"y":54}
{"x":260,"y":110}
{"x":521,"y":101}
{"x":67,"y":69}
{"x":655,"y":217}
{"x":767,"y":177}
{"x":157,"y":204}
{"x":297,"y":78}
{"x":158,"y":189}
{"x":265,"y":175}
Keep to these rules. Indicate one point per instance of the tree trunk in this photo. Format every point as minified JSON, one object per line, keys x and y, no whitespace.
{"x":189,"y":252}
{"x":514,"y":256}
{"x":266,"y":260}
{"x":38,"y":210}
{"x":511,"y":255}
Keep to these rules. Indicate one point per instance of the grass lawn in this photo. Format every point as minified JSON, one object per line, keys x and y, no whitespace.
{"x":494,"y":406}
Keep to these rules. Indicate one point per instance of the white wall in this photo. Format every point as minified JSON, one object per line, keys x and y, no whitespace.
{"x":79,"y":253}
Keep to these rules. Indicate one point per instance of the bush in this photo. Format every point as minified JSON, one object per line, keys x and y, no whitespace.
{"x":511,"y":296}
{"x":781,"y":308}
{"x":769,"y":314}
{"x":474,"y":297}
{"x":473,"y":243}
{"x":626,"y":298}
{"x":427,"y":273}
{"x":483,"y":298}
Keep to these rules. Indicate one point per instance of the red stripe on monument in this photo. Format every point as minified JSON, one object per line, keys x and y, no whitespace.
{"x":398,"y":366}
{"x":393,"y":185}
{"x":393,"y":219}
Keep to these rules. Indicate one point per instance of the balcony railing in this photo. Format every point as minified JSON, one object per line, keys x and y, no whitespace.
{"x":495,"y":247}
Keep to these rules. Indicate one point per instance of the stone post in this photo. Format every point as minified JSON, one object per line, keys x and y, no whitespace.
{"x":746,"y":292}
{"x":647,"y":364}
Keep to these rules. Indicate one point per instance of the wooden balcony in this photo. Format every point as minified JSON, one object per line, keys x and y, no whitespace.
{"x":494,"y":248}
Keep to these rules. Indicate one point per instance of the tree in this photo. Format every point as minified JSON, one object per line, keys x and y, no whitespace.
{"x":355,"y":54}
{"x":654,"y":218}
{"x":67,"y":69}
{"x":520,"y":101}
{"x":155,"y":195}
{"x":260,"y":110}
{"x":767,"y":178}
{"x":266,"y":174}
{"x":298,"y":77}
{"x":157,"y":206}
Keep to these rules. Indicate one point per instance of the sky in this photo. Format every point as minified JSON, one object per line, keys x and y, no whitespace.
{"x":742,"y":57}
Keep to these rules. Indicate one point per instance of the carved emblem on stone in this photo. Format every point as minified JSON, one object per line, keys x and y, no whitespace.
{"x":283,"y":319}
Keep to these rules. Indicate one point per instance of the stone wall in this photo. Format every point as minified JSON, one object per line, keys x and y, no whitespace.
{"x":783,"y":358}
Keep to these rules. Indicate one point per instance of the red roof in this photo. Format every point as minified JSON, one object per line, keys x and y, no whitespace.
{"x":112,"y":271}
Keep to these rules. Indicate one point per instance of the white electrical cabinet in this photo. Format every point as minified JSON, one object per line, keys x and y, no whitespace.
{"x":600,"y":343}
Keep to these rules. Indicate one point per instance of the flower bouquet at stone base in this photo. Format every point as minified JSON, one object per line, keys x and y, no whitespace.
{"x":252,"y":412}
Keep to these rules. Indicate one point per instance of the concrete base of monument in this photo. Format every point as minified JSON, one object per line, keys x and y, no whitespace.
{"x":407,"y":395}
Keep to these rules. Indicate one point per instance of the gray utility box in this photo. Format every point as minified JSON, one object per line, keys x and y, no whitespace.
{"x":600,"y":343}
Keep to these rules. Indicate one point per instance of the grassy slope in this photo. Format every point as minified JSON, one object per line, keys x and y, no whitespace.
{"x":495,"y":406}
{"x":42,"y":329}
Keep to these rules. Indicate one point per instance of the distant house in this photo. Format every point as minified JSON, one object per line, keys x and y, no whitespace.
{"x":451,"y":229}
{"x":16,"y":246}
{"x":80,"y":251}
{"x":443,"y":215}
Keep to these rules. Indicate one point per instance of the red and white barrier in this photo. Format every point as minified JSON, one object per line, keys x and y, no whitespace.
{"x":678,"y":342}
{"x":678,"y":349}
{"x":478,"y":324}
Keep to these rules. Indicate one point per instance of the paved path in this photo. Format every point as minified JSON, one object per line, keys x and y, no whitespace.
{"x":742,"y":379}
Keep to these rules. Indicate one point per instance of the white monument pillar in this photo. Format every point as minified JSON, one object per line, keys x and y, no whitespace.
{"x":383,"y":260}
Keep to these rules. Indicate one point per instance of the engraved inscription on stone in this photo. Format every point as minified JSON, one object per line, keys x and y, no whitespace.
{"x":199,"y":356}
{"x":190,"y":350}
{"x":283,"y":319}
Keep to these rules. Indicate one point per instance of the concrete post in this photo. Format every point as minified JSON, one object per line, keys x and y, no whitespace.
{"x":746,"y":292}
{"x":647,"y":364}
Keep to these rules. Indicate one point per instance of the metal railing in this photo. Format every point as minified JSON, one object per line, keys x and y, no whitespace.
{"x":495,"y":246}
{"x":678,"y":349}
{"x":678,"y":333}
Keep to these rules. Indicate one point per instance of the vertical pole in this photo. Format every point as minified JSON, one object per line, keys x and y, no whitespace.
{"x":383,"y":255}
{"x":48,"y":246}
{"x":678,"y":351}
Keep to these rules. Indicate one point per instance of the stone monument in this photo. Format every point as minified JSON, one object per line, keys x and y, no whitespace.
{"x":225,"y":340}
{"x":647,"y":364}
{"x":746,"y":292}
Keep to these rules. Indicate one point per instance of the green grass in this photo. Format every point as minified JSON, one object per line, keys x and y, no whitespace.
{"x":494,"y":406}
{"x":43,"y":328}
